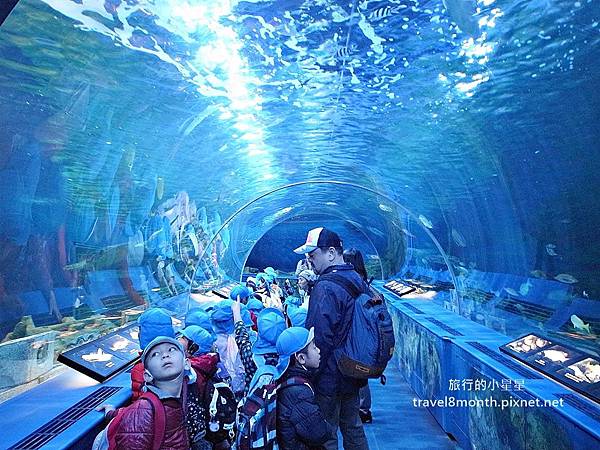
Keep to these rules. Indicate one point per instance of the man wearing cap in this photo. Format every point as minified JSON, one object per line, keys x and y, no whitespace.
{"x":330,"y":312}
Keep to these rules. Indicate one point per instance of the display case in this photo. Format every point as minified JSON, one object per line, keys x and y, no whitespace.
{"x":574,"y":368}
{"x":398,"y":288}
{"x":106,"y":356}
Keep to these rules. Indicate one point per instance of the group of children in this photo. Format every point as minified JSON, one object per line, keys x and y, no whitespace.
{"x":190,"y":387}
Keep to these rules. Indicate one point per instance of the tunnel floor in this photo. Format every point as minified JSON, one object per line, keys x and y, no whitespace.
{"x":397,"y":424}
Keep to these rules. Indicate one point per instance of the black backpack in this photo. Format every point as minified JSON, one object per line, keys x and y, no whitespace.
{"x":221,"y":410}
{"x":366,"y":349}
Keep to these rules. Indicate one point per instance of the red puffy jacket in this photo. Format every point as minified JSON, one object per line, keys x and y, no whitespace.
{"x":135,"y":429}
{"x":205,"y":367}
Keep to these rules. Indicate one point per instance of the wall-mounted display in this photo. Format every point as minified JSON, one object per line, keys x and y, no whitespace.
{"x":528,"y":344}
{"x":106,"y":356}
{"x":574,"y":368}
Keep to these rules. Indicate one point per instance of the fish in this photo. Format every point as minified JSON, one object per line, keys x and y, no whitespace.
{"x":525,"y":287}
{"x":585,"y":294}
{"x":550,"y":250}
{"x":282,"y":212}
{"x":119,"y":345}
{"x":76,"y":266}
{"x":385,"y":208}
{"x":425,"y":221}
{"x":98,"y":356}
{"x":556,"y":355}
{"x":77,"y":303}
{"x":458,"y":238}
{"x":381,"y":13}
{"x":538,"y":274}
{"x":566,"y":278}
{"x":511,"y":291}
{"x":342,"y":53}
{"x":580,"y":325}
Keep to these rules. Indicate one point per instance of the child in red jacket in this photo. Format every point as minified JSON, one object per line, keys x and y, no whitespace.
{"x":157,"y":419}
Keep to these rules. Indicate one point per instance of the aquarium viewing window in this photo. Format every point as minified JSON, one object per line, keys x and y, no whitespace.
{"x":574,"y":368}
{"x":105,"y":356}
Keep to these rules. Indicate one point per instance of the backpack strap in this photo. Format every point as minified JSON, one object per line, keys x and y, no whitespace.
{"x":342,"y":281}
{"x":295,"y":381}
{"x":160,"y":420}
{"x":113,"y":426}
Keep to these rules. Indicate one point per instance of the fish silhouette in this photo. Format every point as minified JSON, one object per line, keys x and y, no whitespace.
{"x":426,"y":222}
{"x":580,"y":325}
{"x":458,"y":238}
{"x":98,"y":356}
{"x":566,"y":278}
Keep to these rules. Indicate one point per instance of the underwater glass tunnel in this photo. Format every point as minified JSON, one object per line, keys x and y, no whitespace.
{"x":156,"y":153}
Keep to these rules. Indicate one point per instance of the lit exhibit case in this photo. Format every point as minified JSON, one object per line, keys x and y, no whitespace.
{"x":106,"y":356}
{"x":574,"y":368}
{"x":399,"y":288}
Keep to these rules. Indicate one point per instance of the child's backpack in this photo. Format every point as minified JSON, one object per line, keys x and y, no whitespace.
{"x":221,"y":408}
{"x":160,"y":422}
{"x":369,"y":343}
{"x":257,"y":418}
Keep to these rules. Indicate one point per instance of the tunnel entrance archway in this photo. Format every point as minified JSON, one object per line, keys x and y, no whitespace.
{"x":397,"y":204}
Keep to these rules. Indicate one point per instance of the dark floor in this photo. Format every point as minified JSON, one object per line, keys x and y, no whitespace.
{"x":397,"y":424}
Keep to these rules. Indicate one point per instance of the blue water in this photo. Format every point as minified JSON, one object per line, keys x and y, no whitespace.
{"x":456,"y":141}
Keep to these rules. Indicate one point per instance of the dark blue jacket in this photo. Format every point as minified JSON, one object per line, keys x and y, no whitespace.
{"x":330,"y":313}
{"x":300,"y":423}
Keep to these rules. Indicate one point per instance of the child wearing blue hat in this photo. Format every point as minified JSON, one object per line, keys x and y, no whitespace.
{"x":199,"y":316}
{"x":222,"y":318}
{"x":300,"y":422}
{"x":297,"y":316}
{"x":153,"y":322}
{"x":271,"y":323}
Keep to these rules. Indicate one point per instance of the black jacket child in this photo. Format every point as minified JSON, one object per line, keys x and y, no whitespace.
{"x":300,"y":422}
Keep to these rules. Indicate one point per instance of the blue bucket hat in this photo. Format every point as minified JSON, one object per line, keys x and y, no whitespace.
{"x":261,"y":276}
{"x":289,"y":342}
{"x":154,"y":322}
{"x":198,"y":316}
{"x":199,"y":336}
{"x":255,"y":305}
{"x":270,"y":323}
{"x":297,"y":316}
{"x":240,"y":290}
{"x":222,"y":317}
{"x":270,"y":272}
{"x":293,"y":301}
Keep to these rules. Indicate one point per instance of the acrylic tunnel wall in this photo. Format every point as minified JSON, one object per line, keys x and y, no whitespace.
{"x":148,"y":147}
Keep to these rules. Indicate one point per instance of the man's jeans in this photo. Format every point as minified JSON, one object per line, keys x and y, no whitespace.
{"x":342,"y":411}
